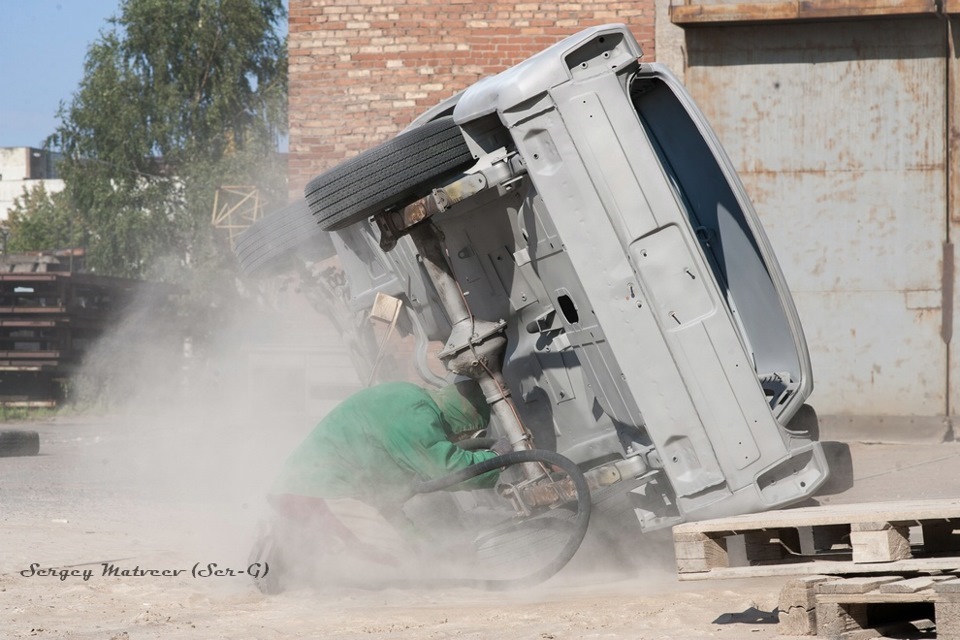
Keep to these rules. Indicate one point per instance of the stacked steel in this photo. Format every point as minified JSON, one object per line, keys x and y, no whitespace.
{"x":50,"y":314}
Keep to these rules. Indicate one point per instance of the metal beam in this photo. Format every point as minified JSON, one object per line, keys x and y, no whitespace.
{"x":694,"y":13}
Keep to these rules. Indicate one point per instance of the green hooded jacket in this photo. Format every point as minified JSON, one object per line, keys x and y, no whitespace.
{"x":377,"y":442}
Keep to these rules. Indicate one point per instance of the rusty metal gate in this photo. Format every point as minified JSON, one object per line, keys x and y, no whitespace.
{"x":839,"y":129}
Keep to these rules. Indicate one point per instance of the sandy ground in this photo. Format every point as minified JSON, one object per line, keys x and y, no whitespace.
{"x":157,"y":495}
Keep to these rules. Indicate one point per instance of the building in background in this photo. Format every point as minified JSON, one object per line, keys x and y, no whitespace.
{"x":24,"y":168}
{"x":843,"y":120}
{"x":360,"y":72}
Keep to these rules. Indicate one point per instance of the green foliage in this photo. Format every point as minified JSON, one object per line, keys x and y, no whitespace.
{"x":178,"y":98}
{"x":40,"y":220}
{"x":24,"y":414}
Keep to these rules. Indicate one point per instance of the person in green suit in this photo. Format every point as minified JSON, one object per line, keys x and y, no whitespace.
{"x":346,"y":484}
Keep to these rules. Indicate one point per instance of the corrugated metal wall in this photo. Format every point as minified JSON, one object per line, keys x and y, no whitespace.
{"x":838,"y":130}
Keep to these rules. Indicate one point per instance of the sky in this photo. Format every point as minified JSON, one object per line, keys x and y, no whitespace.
{"x":43,"y":44}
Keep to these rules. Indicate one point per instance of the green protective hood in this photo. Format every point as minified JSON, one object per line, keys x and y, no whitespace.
{"x":463,"y":406}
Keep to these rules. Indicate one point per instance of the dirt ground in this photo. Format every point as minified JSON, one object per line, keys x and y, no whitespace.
{"x":140,"y":497}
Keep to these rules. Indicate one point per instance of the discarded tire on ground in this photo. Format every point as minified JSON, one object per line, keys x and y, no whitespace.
{"x":397,"y":172}
{"x":19,"y":443}
{"x":269,"y":245}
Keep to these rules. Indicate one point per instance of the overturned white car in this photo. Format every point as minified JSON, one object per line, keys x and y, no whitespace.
{"x":573,"y":232}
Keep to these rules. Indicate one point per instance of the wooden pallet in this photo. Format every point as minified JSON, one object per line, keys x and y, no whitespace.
{"x":869,"y":607}
{"x":882,"y":537}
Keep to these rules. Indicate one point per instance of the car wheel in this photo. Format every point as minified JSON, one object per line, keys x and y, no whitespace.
{"x":269,"y":245}
{"x":397,"y":172}
{"x":19,"y":443}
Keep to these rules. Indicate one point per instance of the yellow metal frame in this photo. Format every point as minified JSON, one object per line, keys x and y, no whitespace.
{"x":235,"y":208}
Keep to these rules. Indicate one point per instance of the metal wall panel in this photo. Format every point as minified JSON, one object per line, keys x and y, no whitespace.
{"x":952,"y":142}
{"x":837,"y":130}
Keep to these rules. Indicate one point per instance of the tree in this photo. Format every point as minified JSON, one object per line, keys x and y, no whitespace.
{"x":178,"y":97}
{"x":40,"y":220}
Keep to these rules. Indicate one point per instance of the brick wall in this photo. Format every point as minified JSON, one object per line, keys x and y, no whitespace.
{"x":360,"y":70}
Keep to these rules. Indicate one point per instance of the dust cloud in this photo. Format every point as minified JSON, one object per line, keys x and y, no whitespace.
{"x":195,"y":431}
{"x":165,"y":461}
{"x":197,"y":422}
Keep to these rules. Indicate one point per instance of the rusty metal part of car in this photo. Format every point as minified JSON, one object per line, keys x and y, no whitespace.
{"x":544,"y":493}
{"x":504,"y":173}
{"x":548,"y":492}
{"x":475,"y":347}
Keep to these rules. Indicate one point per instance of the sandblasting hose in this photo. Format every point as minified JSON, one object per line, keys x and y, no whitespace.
{"x":509,"y":459}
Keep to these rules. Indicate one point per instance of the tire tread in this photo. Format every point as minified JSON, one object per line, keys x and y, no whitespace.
{"x":397,"y":171}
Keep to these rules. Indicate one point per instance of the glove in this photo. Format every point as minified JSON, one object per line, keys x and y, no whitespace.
{"x":502,"y":446}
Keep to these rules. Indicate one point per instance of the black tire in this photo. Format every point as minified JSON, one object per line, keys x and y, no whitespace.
{"x":397,"y":172}
{"x":271,"y":244}
{"x":19,"y":443}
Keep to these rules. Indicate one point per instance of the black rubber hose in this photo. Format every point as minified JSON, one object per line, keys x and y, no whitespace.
{"x":507,"y":460}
